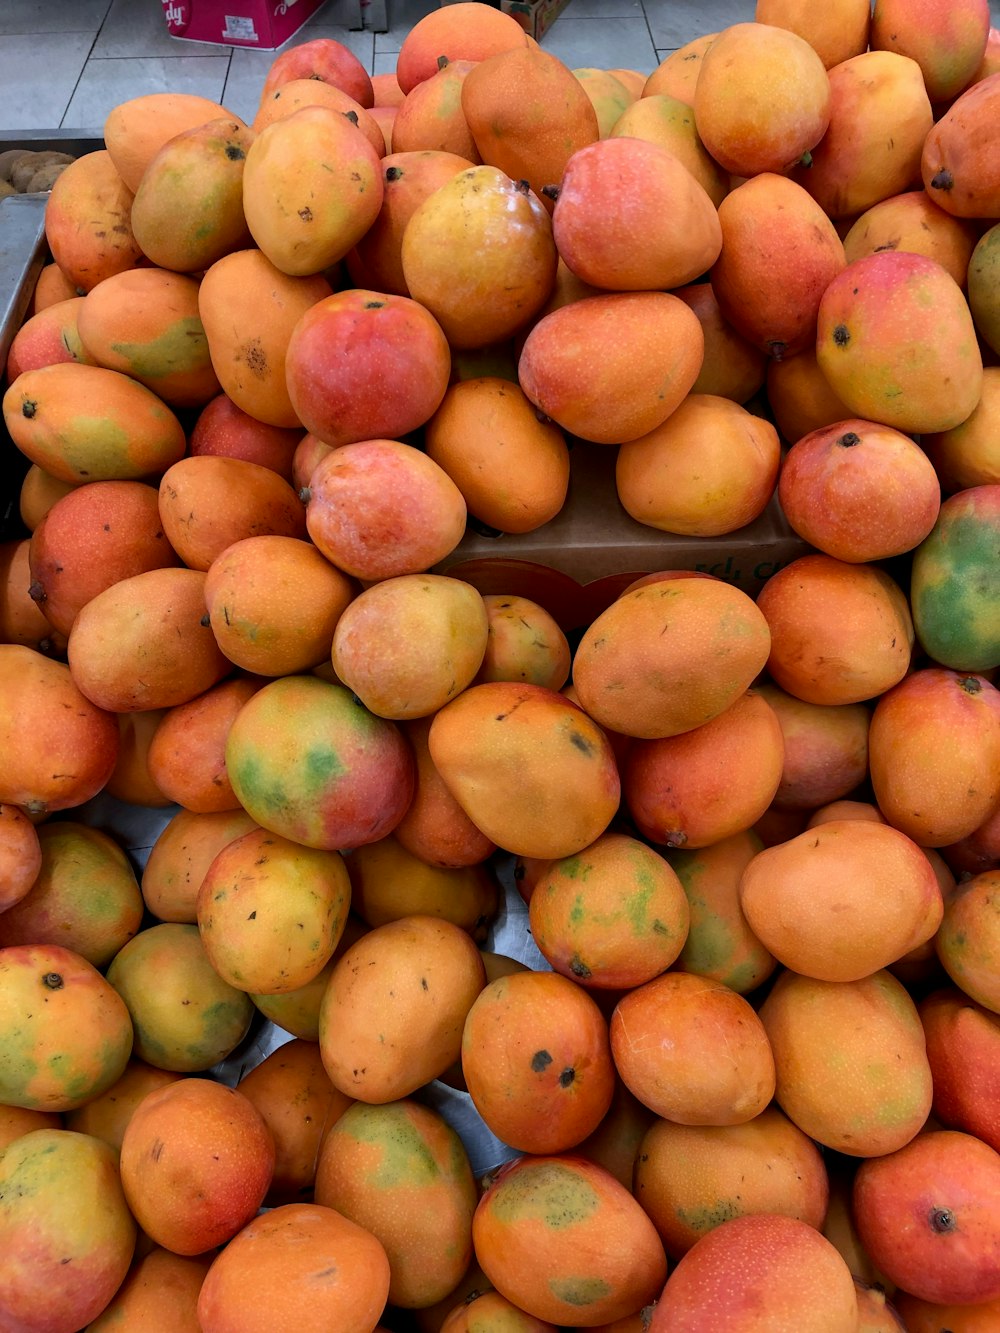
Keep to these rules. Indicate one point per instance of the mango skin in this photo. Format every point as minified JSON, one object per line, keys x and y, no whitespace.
{"x":530,"y":769}
{"x":66,"y":1234}
{"x":402,"y":1172}
{"x":953,"y":583}
{"x":85,"y":423}
{"x":145,"y":324}
{"x":312,"y":764}
{"x":312,"y":186}
{"x":66,"y":1035}
{"x":188,"y":208}
{"x":895,"y":340}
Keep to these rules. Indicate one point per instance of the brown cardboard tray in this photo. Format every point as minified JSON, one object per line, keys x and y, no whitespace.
{"x":577,"y":563}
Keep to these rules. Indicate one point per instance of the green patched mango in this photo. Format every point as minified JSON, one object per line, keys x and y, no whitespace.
{"x":955,"y":582}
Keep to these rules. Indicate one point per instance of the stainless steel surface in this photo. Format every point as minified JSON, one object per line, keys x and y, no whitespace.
{"x":22,"y":254}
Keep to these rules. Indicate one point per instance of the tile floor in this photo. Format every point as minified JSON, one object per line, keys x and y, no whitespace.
{"x":66,"y":63}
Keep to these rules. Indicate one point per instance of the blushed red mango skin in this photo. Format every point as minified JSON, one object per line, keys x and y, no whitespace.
{"x":93,"y":537}
{"x":312,"y":765}
{"x":402,"y":349}
{"x":926,"y":1214}
{"x":630,"y":216}
{"x":380,"y":508}
{"x":769,"y":289}
{"x":66,"y":1233}
{"x":673,"y":785}
{"x":754,"y":1273}
{"x":958,"y":162}
{"x":669,"y":122}
{"x":963,"y":1047}
{"x":896,"y":341}
{"x":859,"y":162}
{"x":48,"y":336}
{"x":612,"y":367}
{"x":947,"y":41}
{"x":826,"y":749}
{"x":859,"y":491}
{"x":224,"y":429}
{"x":67,"y":1035}
{"x":45,"y":723}
{"x":322,"y":58}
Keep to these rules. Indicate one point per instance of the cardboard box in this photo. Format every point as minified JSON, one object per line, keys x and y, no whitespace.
{"x":262,"y":24}
{"x":576,"y":564}
{"x":534,"y":16}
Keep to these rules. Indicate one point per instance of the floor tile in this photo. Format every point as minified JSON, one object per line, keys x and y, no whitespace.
{"x":18,"y":17}
{"x":247,"y":71}
{"x":37,"y":81}
{"x":384,"y":62}
{"x":361,"y":43}
{"x":402,"y":15}
{"x":590,"y":43}
{"x":105,"y":83}
{"x":334,"y":14}
{"x":602,"y":9}
{"x":674,"y":23}
{"x":132,"y":29}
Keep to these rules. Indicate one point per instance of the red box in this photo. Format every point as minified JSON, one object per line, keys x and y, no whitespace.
{"x":262,"y":24}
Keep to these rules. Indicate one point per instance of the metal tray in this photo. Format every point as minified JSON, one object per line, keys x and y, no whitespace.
{"x":23,"y":252}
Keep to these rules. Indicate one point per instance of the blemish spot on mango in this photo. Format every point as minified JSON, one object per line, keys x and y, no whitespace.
{"x":579,"y":1291}
{"x":553,"y":1194}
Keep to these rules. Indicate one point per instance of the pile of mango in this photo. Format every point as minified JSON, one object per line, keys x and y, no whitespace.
{"x":740,"y":1069}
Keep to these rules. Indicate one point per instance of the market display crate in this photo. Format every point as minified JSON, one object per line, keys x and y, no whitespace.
{"x":536,"y":17}
{"x":576,"y":564}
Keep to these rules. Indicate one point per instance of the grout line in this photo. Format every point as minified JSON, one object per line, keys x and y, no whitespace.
{"x":86,"y":61}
